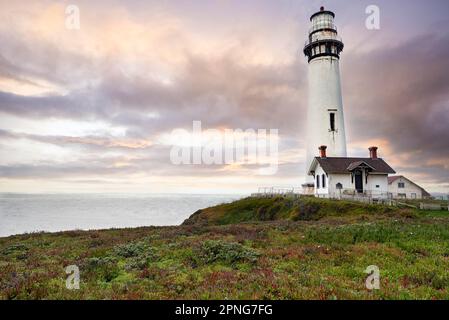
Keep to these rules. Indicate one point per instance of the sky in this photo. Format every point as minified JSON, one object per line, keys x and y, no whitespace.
{"x":93,"y":109}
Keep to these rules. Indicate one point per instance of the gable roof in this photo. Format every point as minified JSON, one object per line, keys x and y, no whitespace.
{"x":394,"y":178}
{"x":425,"y":193}
{"x":346,"y":165}
{"x":357,"y":164}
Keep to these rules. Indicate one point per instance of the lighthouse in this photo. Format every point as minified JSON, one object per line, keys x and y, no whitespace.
{"x":325,"y":120}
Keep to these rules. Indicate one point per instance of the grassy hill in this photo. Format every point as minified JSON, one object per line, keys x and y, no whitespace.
{"x":249,"y":249}
{"x":280,"y":208}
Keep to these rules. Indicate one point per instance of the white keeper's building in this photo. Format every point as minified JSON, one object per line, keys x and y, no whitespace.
{"x":340,"y":177}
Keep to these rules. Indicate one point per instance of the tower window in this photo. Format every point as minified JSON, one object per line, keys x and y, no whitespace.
{"x":332,"y":121}
{"x":317,"y":181}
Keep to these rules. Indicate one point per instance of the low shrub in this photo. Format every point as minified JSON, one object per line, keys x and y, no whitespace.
{"x":16,"y":248}
{"x":131,"y":250}
{"x":227,"y":252}
{"x":430,"y":278}
{"x":105,"y":268}
{"x":18,"y":251}
{"x":142,"y":261}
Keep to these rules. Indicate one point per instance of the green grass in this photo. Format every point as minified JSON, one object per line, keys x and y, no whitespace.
{"x":434,"y":213}
{"x":279,"y":249}
{"x":416,"y":202}
{"x":270,"y":209}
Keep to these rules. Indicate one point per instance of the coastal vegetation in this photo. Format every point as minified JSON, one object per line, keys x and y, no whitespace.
{"x":274,"y":248}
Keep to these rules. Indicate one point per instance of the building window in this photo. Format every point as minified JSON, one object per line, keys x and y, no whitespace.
{"x":318,"y":182}
{"x":413,"y":195}
{"x":324,"y":180}
{"x":332,"y":121}
{"x":401,"y":185}
{"x":377,"y":186}
{"x":402,"y":195}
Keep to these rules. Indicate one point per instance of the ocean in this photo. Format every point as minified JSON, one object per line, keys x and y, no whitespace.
{"x":25,"y":213}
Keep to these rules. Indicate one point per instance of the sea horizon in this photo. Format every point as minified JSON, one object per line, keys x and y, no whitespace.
{"x":22,"y":213}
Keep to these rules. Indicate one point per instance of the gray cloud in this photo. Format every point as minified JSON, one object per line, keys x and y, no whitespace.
{"x":399,"y":93}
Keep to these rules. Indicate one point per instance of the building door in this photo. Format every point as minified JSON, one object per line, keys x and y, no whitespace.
{"x":358,"y":181}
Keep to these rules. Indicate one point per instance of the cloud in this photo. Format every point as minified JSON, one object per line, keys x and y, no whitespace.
{"x":401,"y":95}
{"x":151,"y":73}
{"x":95,"y":141}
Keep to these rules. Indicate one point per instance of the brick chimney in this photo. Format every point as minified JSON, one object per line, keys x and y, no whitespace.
{"x":373,"y":152}
{"x":322,"y":151}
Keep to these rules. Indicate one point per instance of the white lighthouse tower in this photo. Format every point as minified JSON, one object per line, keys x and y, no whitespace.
{"x":325,"y":122}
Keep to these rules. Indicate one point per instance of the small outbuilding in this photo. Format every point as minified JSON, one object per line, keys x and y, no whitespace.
{"x":401,"y":187}
{"x":335,"y":177}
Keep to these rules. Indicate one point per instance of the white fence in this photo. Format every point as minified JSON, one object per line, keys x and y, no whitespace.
{"x":367,"y":196}
{"x":270,"y":192}
{"x":433,"y":206}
